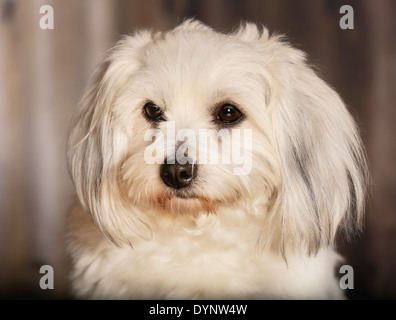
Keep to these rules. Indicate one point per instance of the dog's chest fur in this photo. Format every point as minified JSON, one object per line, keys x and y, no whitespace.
{"x":212,"y":256}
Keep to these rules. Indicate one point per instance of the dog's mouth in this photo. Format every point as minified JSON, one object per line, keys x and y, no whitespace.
{"x":185,"y":202}
{"x":190,"y":201}
{"x":184,"y":194}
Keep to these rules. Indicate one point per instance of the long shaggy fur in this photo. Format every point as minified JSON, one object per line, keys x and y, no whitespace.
{"x":269,"y":234}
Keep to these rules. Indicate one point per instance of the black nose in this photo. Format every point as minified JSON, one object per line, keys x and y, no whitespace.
{"x":177,"y":175}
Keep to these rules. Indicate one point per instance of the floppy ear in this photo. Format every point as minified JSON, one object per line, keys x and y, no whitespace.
{"x":324,"y":171}
{"x":96,"y":147}
{"x":321,"y":156}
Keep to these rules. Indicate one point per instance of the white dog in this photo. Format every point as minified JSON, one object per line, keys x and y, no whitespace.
{"x":196,"y":228}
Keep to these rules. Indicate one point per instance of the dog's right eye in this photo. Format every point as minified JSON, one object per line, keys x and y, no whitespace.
{"x":153,"y":112}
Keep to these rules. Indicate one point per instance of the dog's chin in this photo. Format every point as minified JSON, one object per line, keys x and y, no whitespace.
{"x":182,"y":202}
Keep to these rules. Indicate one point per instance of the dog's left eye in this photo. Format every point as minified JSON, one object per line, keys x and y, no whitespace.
{"x":229,"y":114}
{"x":153,"y":112}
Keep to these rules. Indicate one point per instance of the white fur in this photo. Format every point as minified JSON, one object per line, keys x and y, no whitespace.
{"x":268,"y":234}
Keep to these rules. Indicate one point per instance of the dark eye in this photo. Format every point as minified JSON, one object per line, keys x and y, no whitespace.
{"x":229,"y":114}
{"x":153,"y":112}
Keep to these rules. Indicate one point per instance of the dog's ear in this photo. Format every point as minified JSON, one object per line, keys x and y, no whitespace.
{"x":95,"y":147}
{"x":321,"y":156}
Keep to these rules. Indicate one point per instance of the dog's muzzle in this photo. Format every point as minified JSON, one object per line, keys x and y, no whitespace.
{"x":178,"y":175}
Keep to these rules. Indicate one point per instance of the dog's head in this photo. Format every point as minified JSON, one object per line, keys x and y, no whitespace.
{"x":191,"y":121}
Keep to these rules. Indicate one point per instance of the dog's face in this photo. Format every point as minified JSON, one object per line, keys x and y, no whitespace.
{"x":192,"y":121}
{"x":198,"y":93}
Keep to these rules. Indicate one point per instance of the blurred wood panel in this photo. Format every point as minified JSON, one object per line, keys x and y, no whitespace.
{"x":43,"y":74}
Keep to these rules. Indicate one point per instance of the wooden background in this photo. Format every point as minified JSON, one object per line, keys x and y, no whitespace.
{"x":43,"y":73}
